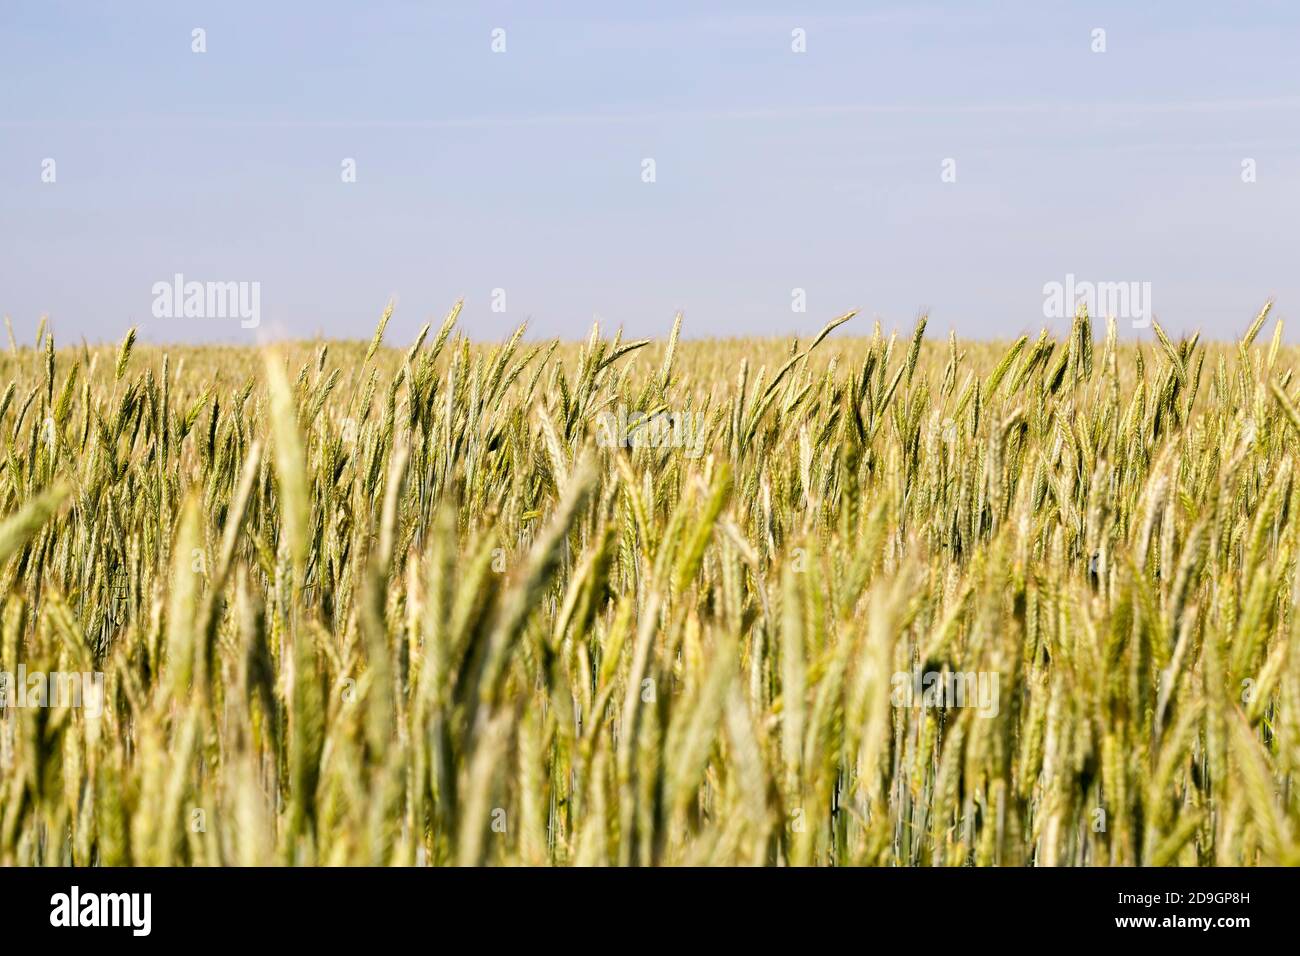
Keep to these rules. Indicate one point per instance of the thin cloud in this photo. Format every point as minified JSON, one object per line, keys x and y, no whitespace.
{"x":1277,"y":104}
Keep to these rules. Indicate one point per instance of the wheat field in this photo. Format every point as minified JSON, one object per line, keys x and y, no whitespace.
{"x":654,"y":602}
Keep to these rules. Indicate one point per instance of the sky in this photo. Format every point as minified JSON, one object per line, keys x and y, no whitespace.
{"x":762,"y":167}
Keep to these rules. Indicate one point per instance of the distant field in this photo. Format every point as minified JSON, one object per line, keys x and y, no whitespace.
{"x":857,"y":600}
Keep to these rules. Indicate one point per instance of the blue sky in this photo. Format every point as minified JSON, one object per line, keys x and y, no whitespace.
{"x":522,"y":170}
